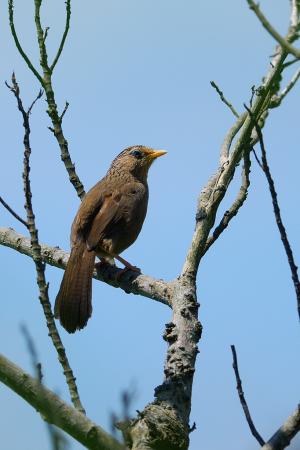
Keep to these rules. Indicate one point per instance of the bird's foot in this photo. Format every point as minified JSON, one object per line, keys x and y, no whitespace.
{"x":104,"y":262}
{"x":128,"y":267}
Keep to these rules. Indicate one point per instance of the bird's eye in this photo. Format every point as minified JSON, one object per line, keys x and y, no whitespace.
{"x":137,"y":154}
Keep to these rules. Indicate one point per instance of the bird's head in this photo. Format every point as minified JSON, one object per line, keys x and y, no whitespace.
{"x":136,"y":160}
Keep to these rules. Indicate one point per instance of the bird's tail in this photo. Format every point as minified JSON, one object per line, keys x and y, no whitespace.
{"x":73,"y":304}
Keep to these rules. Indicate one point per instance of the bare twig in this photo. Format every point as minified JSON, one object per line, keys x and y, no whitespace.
{"x":16,"y":216}
{"x":277,"y":213}
{"x":242,"y":398}
{"x":36,"y":251}
{"x":18,"y":45}
{"x":283,"y":436}
{"x":221,"y":94}
{"x":32,"y":353}
{"x":64,"y":112}
{"x":225,"y":148}
{"x":67,"y":26}
{"x":266,"y":24}
{"x":54,"y":410}
{"x":277,"y":99}
{"x":235,"y":207}
{"x":46,"y":82}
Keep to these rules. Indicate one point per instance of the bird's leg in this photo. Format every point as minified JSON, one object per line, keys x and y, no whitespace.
{"x":127,"y":265}
{"x":104,"y":262}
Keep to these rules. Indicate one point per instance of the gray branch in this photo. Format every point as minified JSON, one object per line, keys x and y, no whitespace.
{"x":283,"y":436}
{"x":144,"y":285}
{"x":54,"y":410}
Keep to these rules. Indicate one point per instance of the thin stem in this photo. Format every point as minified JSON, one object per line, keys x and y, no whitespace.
{"x":235,"y":207}
{"x":242,"y":398}
{"x":224,"y":100}
{"x":279,"y":222}
{"x":67,"y":26}
{"x":40,"y":266}
{"x":16,"y":216}
{"x":17,"y":42}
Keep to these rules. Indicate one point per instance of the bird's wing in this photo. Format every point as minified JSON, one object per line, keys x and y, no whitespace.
{"x":91,"y":203}
{"x":116,"y":206}
{"x":107,"y":214}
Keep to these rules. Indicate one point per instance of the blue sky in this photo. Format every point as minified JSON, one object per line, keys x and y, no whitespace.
{"x":139,"y":72}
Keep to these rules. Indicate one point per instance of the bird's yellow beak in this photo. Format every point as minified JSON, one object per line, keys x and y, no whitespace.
{"x":156,"y":153}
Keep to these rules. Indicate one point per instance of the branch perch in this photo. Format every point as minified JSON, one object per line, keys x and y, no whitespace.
{"x":144,"y":285}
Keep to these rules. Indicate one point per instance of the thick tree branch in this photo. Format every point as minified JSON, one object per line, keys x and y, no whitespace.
{"x":283,"y":436}
{"x":36,"y":253}
{"x":242,"y":398}
{"x":144,"y":285}
{"x":54,"y":410}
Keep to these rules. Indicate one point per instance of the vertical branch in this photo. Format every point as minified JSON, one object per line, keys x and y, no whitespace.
{"x":37,"y":257}
{"x":67,"y":26}
{"x":46,"y":82}
{"x":52,"y":110}
{"x":284,"y":238}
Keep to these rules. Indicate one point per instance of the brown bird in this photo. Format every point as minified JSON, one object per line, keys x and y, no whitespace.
{"x":108,"y":221}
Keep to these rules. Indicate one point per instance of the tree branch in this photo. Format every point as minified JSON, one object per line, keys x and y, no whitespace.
{"x":144,"y":285}
{"x":277,"y":213}
{"x":54,"y":410}
{"x":271,"y":30}
{"x":235,"y":207}
{"x":36,"y":254}
{"x":242,"y":398}
{"x":13,"y":213}
{"x":67,"y":26}
{"x":283,"y":436}
{"x":224,"y":100}
{"x":277,"y":99}
{"x":18,"y":45}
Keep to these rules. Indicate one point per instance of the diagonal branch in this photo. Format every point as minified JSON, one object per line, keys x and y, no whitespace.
{"x":283,"y":436}
{"x":277,"y":99}
{"x":143,"y":285}
{"x":266,"y":24}
{"x":235,"y":207}
{"x":17,"y":42}
{"x":54,"y":410}
{"x":224,"y":100}
{"x":242,"y":398}
{"x":13,"y":213}
{"x":37,"y":258}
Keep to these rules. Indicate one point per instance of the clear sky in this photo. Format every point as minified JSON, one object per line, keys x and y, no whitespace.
{"x":139,"y":72}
